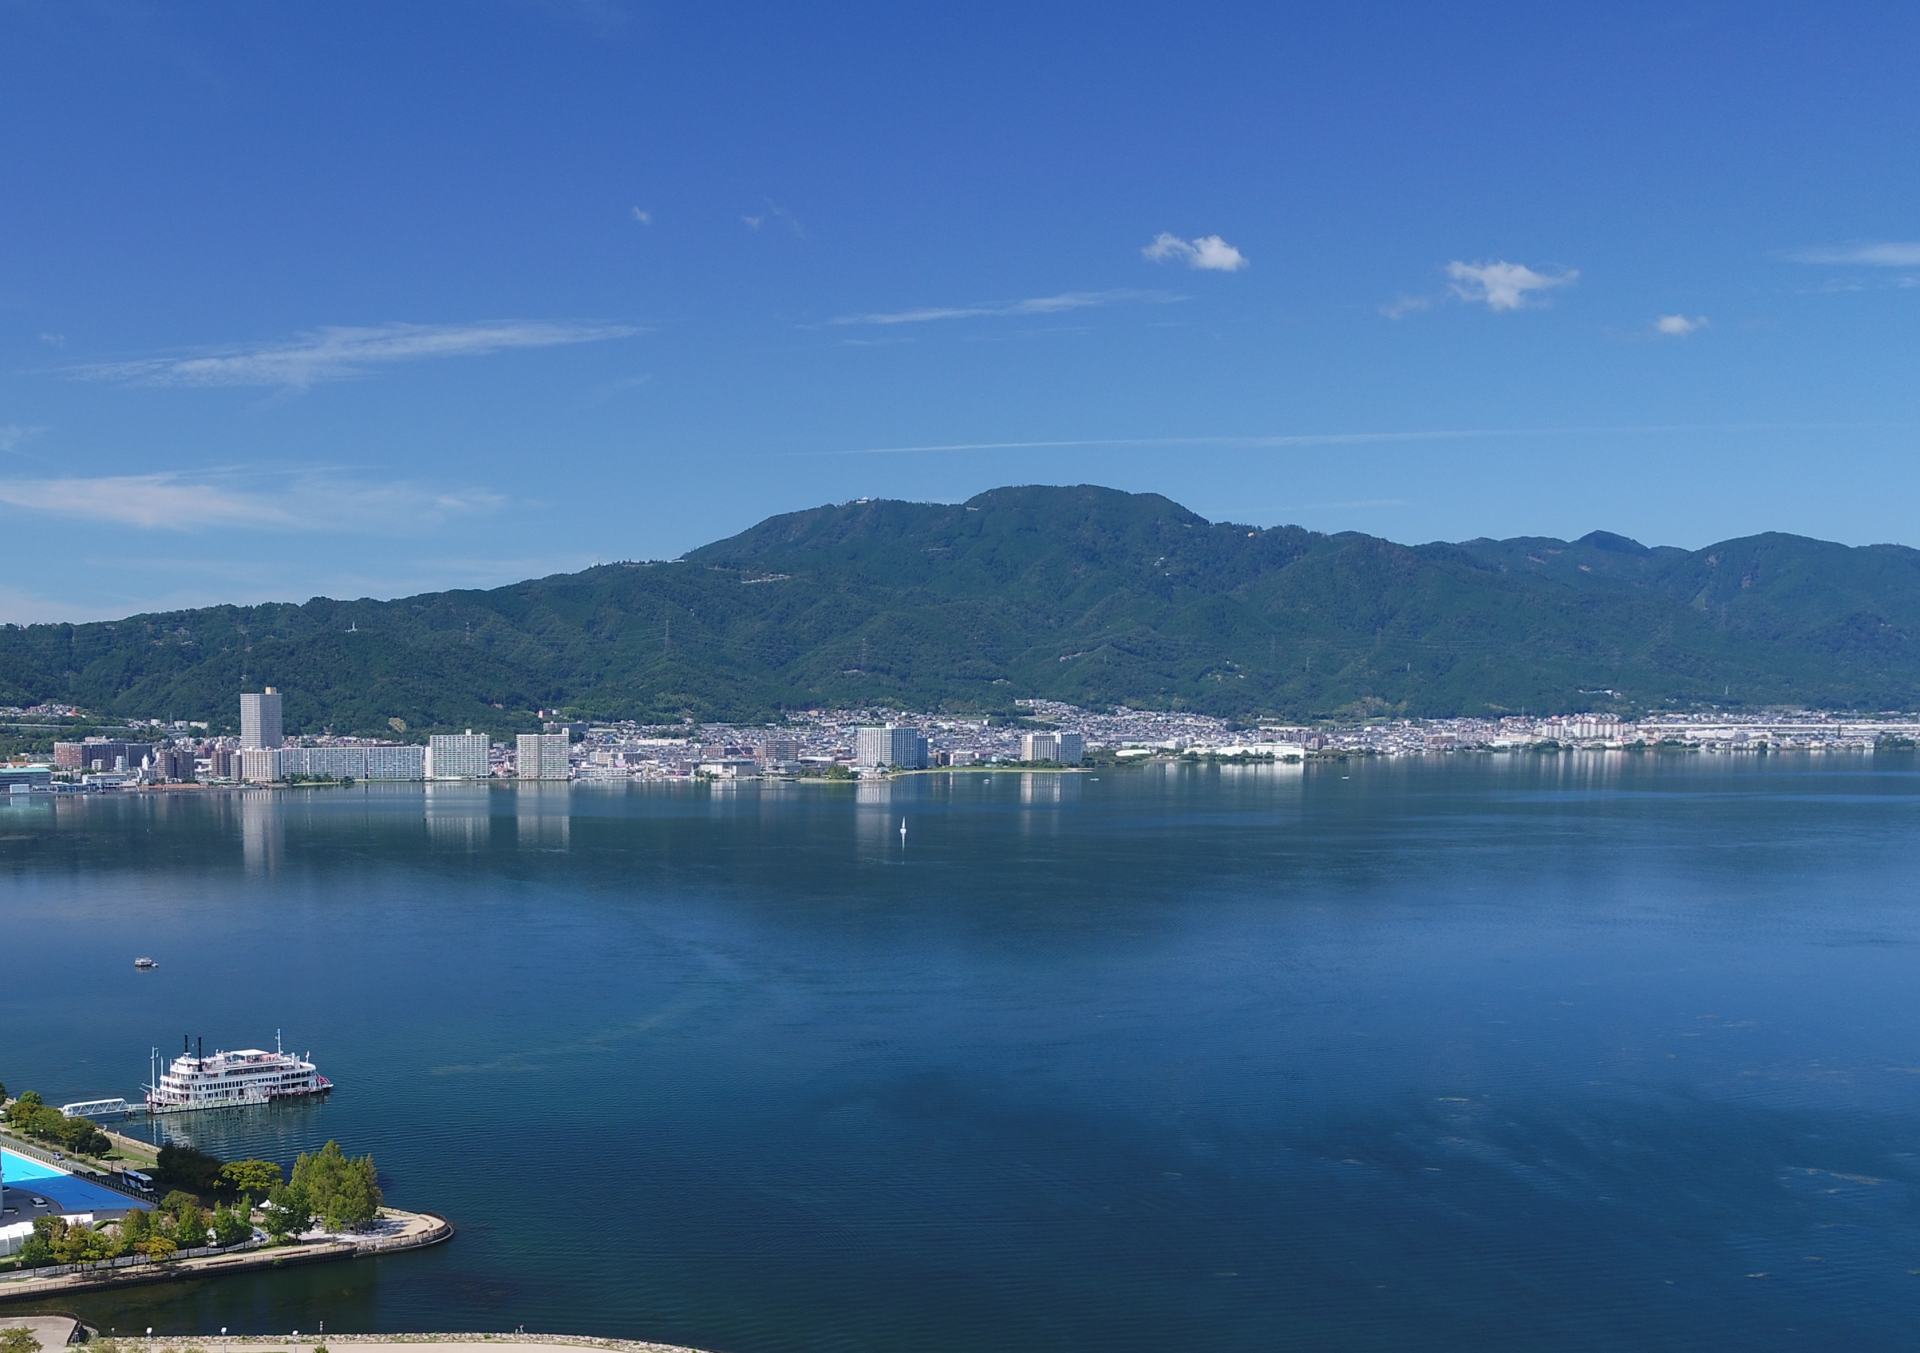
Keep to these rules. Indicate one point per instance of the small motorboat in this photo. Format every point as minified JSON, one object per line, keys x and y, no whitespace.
{"x":144,"y":964}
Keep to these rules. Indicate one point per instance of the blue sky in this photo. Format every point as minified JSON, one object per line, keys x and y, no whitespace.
{"x":365,"y":299}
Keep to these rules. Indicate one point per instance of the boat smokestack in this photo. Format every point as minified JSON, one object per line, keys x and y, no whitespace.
{"x":186,"y":1044}
{"x":200,"y":1049}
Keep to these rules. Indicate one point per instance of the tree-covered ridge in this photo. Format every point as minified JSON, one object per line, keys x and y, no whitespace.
{"x":1082,"y":594}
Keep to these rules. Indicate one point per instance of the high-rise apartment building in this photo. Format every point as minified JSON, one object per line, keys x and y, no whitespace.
{"x":260,"y":719}
{"x":457,"y":756}
{"x":396,"y":761}
{"x":889,"y":746}
{"x":540,"y":756}
{"x":258,"y":765}
{"x":1066,"y":749}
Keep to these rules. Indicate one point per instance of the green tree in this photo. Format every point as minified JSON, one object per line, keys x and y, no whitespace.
{"x":230,"y":1226}
{"x":19,"y":1339}
{"x":344,"y":1193}
{"x":183,"y":1220}
{"x":135,"y":1227}
{"x":288,"y":1209}
{"x":251,"y":1178}
{"x":36,"y":1250}
{"x":184,"y":1167}
{"x":158,"y":1248}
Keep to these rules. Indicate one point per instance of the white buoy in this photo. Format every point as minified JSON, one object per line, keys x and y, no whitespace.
{"x":903,"y":829}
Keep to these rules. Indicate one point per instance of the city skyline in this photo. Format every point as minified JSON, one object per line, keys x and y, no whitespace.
{"x":696,"y":268}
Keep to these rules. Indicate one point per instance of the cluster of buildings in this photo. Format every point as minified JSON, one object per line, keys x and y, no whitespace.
{"x":263,"y":754}
{"x":866,"y":742}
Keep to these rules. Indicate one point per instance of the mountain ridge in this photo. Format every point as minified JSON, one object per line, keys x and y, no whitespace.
{"x":1079,"y":593}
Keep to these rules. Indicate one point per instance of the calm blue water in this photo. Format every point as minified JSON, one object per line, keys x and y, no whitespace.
{"x":1492,"y":1054}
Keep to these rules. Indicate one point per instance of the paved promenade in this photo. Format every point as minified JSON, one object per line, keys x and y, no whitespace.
{"x":403,"y":1343}
{"x":396,"y":1230}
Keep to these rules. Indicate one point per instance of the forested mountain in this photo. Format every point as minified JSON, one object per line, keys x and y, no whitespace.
{"x":1083,"y":594}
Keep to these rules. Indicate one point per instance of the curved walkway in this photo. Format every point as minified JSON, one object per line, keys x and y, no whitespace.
{"x":397,"y":1231}
{"x":404,"y":1343}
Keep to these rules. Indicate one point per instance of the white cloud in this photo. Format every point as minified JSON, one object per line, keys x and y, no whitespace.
{"x":53,"y":340}
{"x":1208,"y":253}
{"x":1290,"y":440}
{"x":1033,"y":305}
{"x":1679,"y":326}
{"x":1870,"y":254}
{"x":1500,"y":285}
{"x":338,"y":352}
{"x":1403,"y":305}
{"x":175,"y":500}
{"x":13,"y":434}
{"x":642,"y":215}
{"x":775,"y":213}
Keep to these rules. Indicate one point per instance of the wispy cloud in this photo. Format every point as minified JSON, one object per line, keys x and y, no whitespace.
{"x":125,"y":584}
{"x":1679,"y":326}
{"x":641,"y":215}
{"x":1208,"y":253}
{"x":1865,"y":253}
{"x":1285,"y":440}
{"x":1252,"y":442}
{"x":340,"y":353}
{"x":175,"y":500}
{"x":1500,"y":285}
{"x":53,"y":340}
{"x":13,"y":435}
{"x":774,"y":214}
{"x":1033,"y":305}
{"x":1401,"y":306}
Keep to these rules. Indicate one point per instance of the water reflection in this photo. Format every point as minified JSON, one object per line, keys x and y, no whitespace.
{"x":542,"y":816}
{"x":876,"y":820}
{"x":263,"y":832}
{"x":25,"y":812}
{"x":459,"y":816}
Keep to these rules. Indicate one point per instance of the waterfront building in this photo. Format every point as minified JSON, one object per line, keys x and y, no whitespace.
{"x":779,"y":751}
{"x":540,"y":756}
{"x":349,"y":761}
{"x":396,"y":761}
{"x":1066,"y":749}
{"x":260,"y":719}
{"x":24,"y":779}
{"x":457,"y":756}
{"x":174,"y":761}
{"x":100,"y":754}
{"x":257,"y":765}
{"x":889,"y":746}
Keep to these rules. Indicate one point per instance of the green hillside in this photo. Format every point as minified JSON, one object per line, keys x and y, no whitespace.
{"x":1081,"y":594}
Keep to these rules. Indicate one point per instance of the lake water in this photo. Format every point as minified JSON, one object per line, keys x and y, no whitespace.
{"x":1517,"y":1053}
